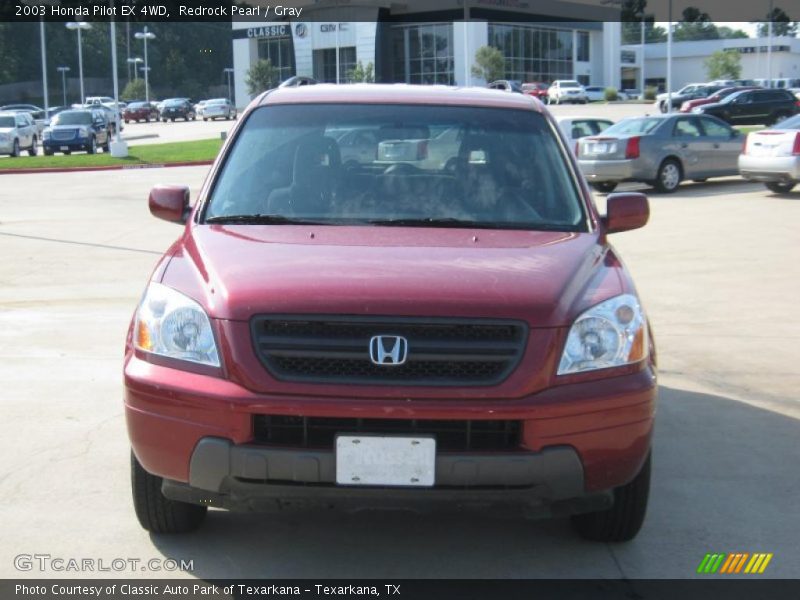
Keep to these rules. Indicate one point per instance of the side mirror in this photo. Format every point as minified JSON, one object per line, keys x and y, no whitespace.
{"x":170,"y":202}
{"x":626,"y":211}
{"x":735,"y":133}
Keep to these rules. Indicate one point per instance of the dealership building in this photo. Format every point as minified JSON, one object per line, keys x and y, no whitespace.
{"x":435,"y":43}
{"x":688,"y":60}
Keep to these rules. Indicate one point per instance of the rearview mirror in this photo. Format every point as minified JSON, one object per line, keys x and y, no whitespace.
{"x":626,"y":211}
{"x":170,"y":202}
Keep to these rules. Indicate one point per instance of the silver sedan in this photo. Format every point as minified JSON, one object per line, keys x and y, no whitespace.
{"x":218,"y":108}
{"x":772,"y":156}
{"x":660,"y":150}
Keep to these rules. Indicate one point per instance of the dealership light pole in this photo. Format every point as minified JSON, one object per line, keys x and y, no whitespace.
{"x":229,"y":73}
{"x":119,"y":148}
{"x":44,"y":68}
{"x":641,"y":70}
{"x":80,"y":26}
{"x":337,"y":52}
{"x":63,"y":71}
{"x":135,"y":62}
{"x":669,"y":59}
{"x":146,"y":35}
{"x":769,"y":46}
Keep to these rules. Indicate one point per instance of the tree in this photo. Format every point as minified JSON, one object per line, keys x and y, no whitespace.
{"x":489,"y":64}
{"x":695,"y":25}
{"x":261,"y":76}
{"x":362,"y":74}
{"x":726,"y":33}
{"x":724,"y":65}
{"x":781,"y":24}
{"x":135,"y":90}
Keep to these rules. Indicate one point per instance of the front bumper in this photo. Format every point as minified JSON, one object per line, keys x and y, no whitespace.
{"x":7,"y":146}
{"x":73,"y":144}
{"x":605,"y":425}
{"x":251,"y":477}
{"x":782,"y":169}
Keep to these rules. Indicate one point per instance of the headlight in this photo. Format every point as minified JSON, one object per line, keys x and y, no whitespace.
{"x":83,"y":132}
{"x":173,"y":325}
{"x":3,"y":137}
{"x":610,"y":334}
{"x":46,"y":134}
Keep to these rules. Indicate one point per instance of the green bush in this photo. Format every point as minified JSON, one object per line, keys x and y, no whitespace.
{"x":135,"y":90}
{"x":611,"y":94}
{"x":650,"y":93}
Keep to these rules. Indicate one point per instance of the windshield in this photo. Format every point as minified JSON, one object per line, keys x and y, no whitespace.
{"x":793,"y":123}
{"x":398,"y":164}
{"x":137,"y":105}
{"x":7,"y":122}
{"x":216,"y":101}
{"x":634,"y":126}
{"x":173,"y":103}
{"x":570,"y":84}
{"x":732,"y":97}
{"x":73,"y":118}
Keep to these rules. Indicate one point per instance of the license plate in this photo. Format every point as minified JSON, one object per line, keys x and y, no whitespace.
{"x":599,"y":148}
{"x":64,"y":148}
{"x":385,"y":460}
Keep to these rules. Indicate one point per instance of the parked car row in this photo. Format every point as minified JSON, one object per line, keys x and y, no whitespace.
{"x":664,"y":150}
{"x":179,"y":108}
{"x":697,"y":94}
{"x":84,"y":129}
{"x":561,"y":91}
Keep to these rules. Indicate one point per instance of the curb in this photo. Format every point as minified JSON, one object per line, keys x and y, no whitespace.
{"x":29,"y":171}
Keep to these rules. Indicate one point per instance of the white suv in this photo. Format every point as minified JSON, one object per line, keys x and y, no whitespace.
{"x":566,"y":90}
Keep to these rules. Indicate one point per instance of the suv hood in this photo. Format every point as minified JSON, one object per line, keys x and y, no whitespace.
{"x":545,"y":278}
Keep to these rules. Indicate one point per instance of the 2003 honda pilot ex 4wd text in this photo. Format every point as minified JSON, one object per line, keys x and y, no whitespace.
{"x":393,"y":296}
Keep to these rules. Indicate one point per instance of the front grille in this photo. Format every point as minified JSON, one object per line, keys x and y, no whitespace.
{"x":63,"y":134}
{"x":323,"y":349}
{"x":451,"y":436}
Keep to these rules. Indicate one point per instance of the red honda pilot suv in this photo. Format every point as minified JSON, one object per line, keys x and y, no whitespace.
{"x":395,"y":296}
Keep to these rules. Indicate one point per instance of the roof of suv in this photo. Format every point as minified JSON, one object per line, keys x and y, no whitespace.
{"x":398,"y":93}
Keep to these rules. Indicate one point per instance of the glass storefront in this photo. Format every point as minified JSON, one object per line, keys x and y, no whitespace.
{"x":325,"y":64}
{"x":423,"y":53}
{"x":280,"y":52}
{"x":534,"y":53}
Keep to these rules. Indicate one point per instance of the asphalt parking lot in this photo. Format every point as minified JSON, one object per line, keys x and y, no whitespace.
{"x":716,"y":268}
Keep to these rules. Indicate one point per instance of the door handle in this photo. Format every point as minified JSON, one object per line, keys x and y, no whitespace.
{"x":684,"y":145}
{"x":716,"y":145}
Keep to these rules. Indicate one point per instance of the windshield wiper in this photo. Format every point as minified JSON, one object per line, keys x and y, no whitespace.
{"x":463,"y":223}
{"x":259,"y":219}
{"x":432,"y":222}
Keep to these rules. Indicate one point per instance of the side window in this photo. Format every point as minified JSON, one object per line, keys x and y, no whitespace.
{"x":582,"y":129}
{"x":687,"y":128}
{"x":759,"y":96}
{"x":715,"y":129}
{"x":600,"y":126}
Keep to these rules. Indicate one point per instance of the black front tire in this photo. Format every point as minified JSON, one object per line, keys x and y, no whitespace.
{"x":605,"y":187}
{"x":34,"y":149}
{"x":92,"y":147}
{"x":624,"y":519}
{"x":15,"y":149}
{"x":155,"y":512}
{"x":780,"y":187}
